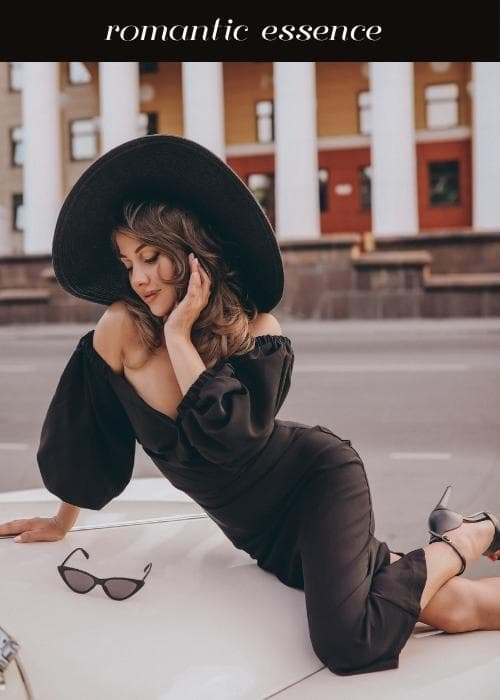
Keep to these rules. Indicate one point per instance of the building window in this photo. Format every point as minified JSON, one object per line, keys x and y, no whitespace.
{"x":83,"y":139}
{"x":145,"y":67}
{"x":17,"y":212}
{"x":148,"y":123}
{"x":16,"y":146}
{"x":15,"y":76}
{"x":323,"y":176}
{"x":264,"y":121}
{"x":365,"y":113}
{"x":78,"y":73}
{"x":444,"y":179}
{"x":365,"y":187}
{"x":262,"y":186}
{"x":441,"y":106}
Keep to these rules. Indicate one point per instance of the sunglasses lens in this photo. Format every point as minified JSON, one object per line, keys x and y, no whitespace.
{"x":120,"y":588}
{"x":78,"y":580}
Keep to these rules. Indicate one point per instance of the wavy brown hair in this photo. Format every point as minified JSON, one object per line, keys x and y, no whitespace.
{"x":222,"y":328}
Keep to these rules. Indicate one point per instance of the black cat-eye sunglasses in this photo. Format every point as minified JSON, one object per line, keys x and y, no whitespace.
{"x":117,"y":588}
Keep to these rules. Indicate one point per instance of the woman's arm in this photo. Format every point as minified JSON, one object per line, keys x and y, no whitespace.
{"x":67,"y":515}
{"x":42,"y":529}
{"x":185,"y":360}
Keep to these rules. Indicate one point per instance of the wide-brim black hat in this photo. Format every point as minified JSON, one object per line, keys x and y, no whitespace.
{"x":166,"y":169}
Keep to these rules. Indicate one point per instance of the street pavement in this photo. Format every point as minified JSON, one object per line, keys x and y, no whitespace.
{"x":419,"y":399}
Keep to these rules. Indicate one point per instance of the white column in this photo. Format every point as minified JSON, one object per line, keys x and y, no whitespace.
{"x":393,"y":155}
{"x":203,"y":104}
{"x":6,"y":243}
{"x":42,"y":174}
{"x":486,"y":145}
{"x":119,"y":102}
{"x":296,"y":156}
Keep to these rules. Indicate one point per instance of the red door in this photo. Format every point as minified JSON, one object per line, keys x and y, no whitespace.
{"x":347,"y":205}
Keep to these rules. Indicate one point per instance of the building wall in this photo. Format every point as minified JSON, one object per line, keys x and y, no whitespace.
{"x":457,"y":72}
{"x":165,"y":88}
{"x":11,"y":176}
{"x":337,"y":85}
{"x":244,"y":85}
{"x":77,"y":102}
{"x":337,"y":88}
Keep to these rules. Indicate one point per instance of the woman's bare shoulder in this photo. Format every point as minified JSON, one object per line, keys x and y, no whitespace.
{"x":265,"y":324}
{"x":111,"y":333}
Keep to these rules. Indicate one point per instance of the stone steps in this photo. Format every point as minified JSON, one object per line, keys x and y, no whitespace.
{"x":333,"y":276}
{"x":24,"y":295}
{"x":25,"y":305}
{"x":476,"y":280}
{"x":400,"y":283}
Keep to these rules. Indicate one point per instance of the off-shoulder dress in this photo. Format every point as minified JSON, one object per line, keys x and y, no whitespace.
{"x":295,"y":497}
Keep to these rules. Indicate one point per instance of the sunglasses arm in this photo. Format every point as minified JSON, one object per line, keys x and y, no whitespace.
{"x":78,"y":549}
{"x":147,"y":569}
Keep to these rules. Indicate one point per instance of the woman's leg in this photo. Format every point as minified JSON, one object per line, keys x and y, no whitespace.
{"x":361,"y":611}
{"x":443,"y":562}
{"x":463,"y":605}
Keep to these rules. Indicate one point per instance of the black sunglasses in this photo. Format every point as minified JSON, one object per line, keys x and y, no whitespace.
{"x":83,"y":582}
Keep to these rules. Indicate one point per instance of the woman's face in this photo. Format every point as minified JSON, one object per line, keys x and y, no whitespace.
{"x":147,"y":269}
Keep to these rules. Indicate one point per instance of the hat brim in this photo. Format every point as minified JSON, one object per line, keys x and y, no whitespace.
{"x":173,"y":170}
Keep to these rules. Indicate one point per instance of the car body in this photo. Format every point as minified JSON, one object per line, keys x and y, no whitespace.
{"x":208,"y":623}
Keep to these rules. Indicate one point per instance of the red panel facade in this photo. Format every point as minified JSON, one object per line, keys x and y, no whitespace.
{"x":344,"y":209}
{"x":444,"y":216}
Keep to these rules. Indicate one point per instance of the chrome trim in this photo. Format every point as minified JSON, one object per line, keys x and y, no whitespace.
{"x":24,"y":678}
{"x":146,"y":521}
{"x":9,"y":653}
{"x":8,"y":649}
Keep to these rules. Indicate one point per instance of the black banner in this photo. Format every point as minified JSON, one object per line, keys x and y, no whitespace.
{"x":406,"y":31}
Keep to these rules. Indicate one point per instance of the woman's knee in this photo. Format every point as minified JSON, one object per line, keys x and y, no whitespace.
{"x":362,"y":635}
{"x":338,"y":657}
{"x":351,"y":657}
{"x":344,"y":648}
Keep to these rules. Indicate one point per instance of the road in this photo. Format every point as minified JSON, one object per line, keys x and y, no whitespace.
{"x":419,"y":399}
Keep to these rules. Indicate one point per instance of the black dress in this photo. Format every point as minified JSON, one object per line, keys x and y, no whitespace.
{"x":295,"y":497}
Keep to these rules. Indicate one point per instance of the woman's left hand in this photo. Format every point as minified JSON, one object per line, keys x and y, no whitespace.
{"x":183,"y":316}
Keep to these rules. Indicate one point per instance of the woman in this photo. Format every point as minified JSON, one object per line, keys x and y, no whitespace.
{"x":188,"y":361}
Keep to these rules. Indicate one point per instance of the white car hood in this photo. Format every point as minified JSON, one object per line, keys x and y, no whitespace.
{"x":207,"y":625}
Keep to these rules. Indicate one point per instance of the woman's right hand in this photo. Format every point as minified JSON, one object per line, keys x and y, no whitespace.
{"x":34,"y":530}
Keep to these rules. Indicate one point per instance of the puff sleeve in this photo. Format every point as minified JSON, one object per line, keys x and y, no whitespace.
{"x":227,"y":414}
{"x":87,"y":445}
